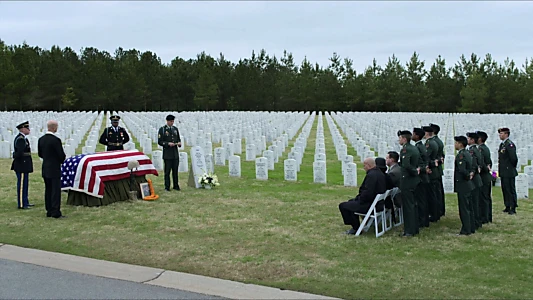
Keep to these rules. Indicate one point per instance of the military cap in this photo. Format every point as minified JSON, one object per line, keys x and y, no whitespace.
{"x":23,"y":125}
{"x":482,"y":134}
{"x":427,"y":128}
{"x":461,"y":139}
{"x":436,"y":128}
{"x":114,"y":118}
{"x":170,"y":118}
{"x":472,"y":135}
{"x":404,"y":132}
{"x":504,"y":129}
{"x":418,"y":131}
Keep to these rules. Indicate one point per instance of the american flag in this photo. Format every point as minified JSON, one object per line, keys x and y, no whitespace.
{"x":87,"y":172}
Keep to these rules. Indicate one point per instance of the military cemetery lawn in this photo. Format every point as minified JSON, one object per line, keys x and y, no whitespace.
{"x":283,"y":234}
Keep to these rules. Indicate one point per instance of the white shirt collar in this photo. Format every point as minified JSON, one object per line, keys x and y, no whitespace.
{"x":49,"y":132}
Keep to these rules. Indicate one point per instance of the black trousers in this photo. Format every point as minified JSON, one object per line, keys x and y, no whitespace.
{"x":171,"y":165}
{"x":465,"y":214}
{"x":475,"y":206}
{"x":52,"y":197}
{"x":421,"y":196}
{"x":509,"y":192}
{"x":347,"y":210}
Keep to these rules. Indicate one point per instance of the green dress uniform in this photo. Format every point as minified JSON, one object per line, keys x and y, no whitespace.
{"x":507,"y":162}
{"x":485,"y":202}
{"x":409,"y":160}
{"x":171,"y":157}
{"x":478,"y":184}
{"x":440,"y":162}
{"x":463,"y":186}
{"x":422,"y":189}
{"x":114,"y":137}
{"x":22,"y":165}
{"x":434,"y":202}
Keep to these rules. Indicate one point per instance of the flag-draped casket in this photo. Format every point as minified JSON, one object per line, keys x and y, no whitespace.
{"x":89,"y":173}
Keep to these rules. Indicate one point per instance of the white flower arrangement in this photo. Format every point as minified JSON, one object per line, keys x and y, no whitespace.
{"x":208,"y":179}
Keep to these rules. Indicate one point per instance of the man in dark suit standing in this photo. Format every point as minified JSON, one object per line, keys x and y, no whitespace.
{"x":373,"y":184}
{"x":22,"y":164}
{"x":507,"y":162}
{"x":51,"y":151}
{"x":114,"y":136}
{"x":168,"y":137}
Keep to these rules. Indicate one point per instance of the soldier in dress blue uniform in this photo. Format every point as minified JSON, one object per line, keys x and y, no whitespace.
{"x":22,"y":164}
{"x":114,"y":136}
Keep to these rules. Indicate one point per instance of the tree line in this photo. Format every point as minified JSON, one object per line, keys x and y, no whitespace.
{"x":32,"y":78}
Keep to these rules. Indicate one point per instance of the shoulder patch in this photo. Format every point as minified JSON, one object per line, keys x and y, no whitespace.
{"x":511,"y":144}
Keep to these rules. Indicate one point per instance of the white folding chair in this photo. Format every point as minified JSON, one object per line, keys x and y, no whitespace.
{"x":374,"y":216}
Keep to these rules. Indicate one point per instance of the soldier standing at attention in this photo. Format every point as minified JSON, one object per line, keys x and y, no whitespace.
{"x":22,"y":164}
{"x":421,"y":192}
{"x":440,"y":157}
{"x":114,"y":136}
{"x":477,"y":164}
{"x":485,"y":201}
{"x":507,"y":161}
{"x":463,"y":185}
{"x":168,"y":137}
{"x":434,"y":202}
{"x":409,"y":181}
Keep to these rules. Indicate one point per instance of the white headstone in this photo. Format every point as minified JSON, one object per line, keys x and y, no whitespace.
{"x":198,"y":164}
{"x":449,"y":162}
{"x":529,"y":171}
{"x":157,"y":160}
{"x":220,"y":156}
{"x":448,"y":180}
{"x":183,"y":166}
{"x":522,"y":186}
{"x":235,"y":166}
{"x":269,"y":154}
{"x":319,"y":172}
{"x":350,"y":175}
{"x":250,"y":152}
{"x":290,"y":169}
{"x":261,"y":168}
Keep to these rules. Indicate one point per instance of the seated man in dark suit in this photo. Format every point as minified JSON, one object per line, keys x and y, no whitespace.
{"x":373,"y":184}
{"x":395,"y":174}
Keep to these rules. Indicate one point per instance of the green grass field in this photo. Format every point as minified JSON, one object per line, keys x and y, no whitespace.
{"x":283,"y":234}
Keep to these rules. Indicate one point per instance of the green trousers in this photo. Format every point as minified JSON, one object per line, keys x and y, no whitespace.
{"x":171,"y":165}
{"x":476,"y":213}
{"x":465,"y":214}
{"x":421,"y":196}
{"x":410,"y":212}
{"x":509,"y":192}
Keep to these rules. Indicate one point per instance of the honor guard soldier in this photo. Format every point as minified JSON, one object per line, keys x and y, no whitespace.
{"x":434,"y":201}
{"x":463,"y":185}
{"x":22,"y":164}
{"x":507,"y":162}
{"x":477,"y":165}
{"x":114,"y":136}
{"x":422,"y":191}
{"x":485,"y":201}
{"x":440,"y":157}
{"x":409,"y":160}
{"x":168,"y":137}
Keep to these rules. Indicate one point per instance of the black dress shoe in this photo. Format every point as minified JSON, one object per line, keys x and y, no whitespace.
{"x":30,"y":205}
{"x":60,"y":217}
{"x":177,"y":188}
{"x":506,"y":210}
{"x":25,"y":207}
{"x":463,"y":234}
{"x":168,"y":190}
{"x":512,"y":212}
{"x":350,"y":232}
{"x":407,"y":235}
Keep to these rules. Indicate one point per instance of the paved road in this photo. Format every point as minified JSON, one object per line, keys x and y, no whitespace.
{"x":26,"y":281}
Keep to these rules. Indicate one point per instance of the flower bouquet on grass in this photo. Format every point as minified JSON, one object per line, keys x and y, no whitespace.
{"x":208,"y":180}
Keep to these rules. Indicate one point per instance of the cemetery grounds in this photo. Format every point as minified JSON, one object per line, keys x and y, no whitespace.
{"x":282,"y":234}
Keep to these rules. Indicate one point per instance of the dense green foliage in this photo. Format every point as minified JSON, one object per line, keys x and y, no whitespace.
{"x":32,"y":78}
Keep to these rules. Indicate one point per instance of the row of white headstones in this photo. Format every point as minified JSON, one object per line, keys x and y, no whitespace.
{"x":363,"y":131}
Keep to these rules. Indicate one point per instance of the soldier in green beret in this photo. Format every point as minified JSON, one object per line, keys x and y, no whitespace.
{"x":485,"y":202}
{"x":409,"y":160}
{"x":507,"y":162}
{"x":463,"y":185}
{"x":169,"y":138}
{"x":477,"y":164}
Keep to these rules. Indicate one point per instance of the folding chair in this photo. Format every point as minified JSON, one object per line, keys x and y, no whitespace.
{"x":374,"y":216}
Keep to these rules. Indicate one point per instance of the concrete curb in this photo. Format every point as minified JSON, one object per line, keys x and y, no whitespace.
{"x":147,"y":275}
